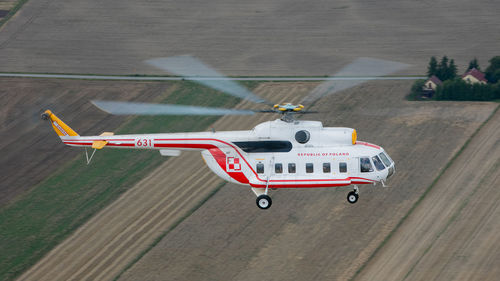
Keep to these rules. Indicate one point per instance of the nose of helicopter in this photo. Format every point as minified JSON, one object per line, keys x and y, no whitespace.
{"x":391,"y":170}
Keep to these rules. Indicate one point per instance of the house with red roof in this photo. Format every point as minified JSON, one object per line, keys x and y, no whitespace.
{"x":430,"y":86}
{"x":432,"y":83}
{"x":474,"y":76}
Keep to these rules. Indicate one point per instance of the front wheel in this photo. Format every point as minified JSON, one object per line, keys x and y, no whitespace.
{"x":352,"y":197}
{"x":264,"y":202}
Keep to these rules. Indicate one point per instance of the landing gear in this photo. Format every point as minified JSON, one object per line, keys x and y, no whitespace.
{"x":352,"y":197}
{"x":264,"y":202}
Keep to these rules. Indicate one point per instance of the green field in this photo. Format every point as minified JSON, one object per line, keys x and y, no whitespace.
{"x":39,"y":220}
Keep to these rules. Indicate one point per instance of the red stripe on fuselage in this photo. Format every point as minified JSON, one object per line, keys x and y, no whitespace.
{"x":368,"y":144}
{"x":299,"y":185}
{"x":220,"y":157}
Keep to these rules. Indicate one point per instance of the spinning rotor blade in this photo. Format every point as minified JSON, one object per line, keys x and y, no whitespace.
{"x":193,"y":69}
{"x":364,"y":68}
{"x":139,"y":108}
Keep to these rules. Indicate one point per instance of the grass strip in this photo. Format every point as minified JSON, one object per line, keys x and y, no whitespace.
{"x":19,"y":4}
{"x":42,"y":218}
{"x":421,"y":198}
{"x":172,"y":227}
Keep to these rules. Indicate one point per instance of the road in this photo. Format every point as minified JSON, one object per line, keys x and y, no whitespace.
{"x":176,"y":78}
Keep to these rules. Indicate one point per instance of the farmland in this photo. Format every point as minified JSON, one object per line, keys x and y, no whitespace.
{"x":283,"y":37}
{"x":138,"y":216}
{"x":193,"y":239}
{"x":66,"y":191}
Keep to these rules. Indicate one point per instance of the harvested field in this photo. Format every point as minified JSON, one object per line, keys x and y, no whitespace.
{"x":30,"y":150}
{"x":102,"y":248}
{"x":5,"y":6}
{"x":311,"y":234}
{"x":284,"y":37}
{"x":453,"y":233}
{"x":316,"y":234}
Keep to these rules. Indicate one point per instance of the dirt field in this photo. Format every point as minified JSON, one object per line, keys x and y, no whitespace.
{"x":282,"y":37}
{"x":100,"y":249}
{"x":316,"y":235}
{"x":29,"y":150}
{"x":453,"y":233}
{"x":312,"y":234}
{"x":6,"y":5}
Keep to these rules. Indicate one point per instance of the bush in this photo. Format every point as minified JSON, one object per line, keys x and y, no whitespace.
{"x":458,"y":89}
{"x":492,"y":73}
{"x":416,"y":89}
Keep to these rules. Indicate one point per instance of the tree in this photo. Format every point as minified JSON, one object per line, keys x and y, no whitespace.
{"x":457,"y":89}
{"x":493,"y":70}
{"x":416,"y":89}
{"x":496,"y":91}
{"x":432,"y":68}
{"x":451,"y":71}
{"x":473,"y":64}
{"x":442,"y":68}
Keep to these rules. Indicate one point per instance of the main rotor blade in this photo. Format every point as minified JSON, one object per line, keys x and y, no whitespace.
{"x":139,"y":108}
{"x":193,"y":69}
{"x":362,"y":67}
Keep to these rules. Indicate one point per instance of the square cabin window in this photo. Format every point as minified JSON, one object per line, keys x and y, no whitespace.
{"x":278,"y":168}
{"x":326,"y":168}
{"x":260,"y":168}
{"x":343,"y":167}
{"x":291,"y":168}
{"x":309,"y":168}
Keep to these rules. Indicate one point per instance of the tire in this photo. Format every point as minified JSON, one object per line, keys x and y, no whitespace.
{"x":264,"y":202}
{"x":352,"y":197}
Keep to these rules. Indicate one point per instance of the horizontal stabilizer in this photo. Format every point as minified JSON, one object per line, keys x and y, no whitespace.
{"x":99,"y":144}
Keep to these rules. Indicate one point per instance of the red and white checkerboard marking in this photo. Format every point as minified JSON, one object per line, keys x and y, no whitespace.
{"x":233,"y":164}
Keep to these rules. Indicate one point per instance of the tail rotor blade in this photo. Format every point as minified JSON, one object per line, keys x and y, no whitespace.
{"x":138,"y":108}
{"x":193,"y":69}
{"x":364,"y":68}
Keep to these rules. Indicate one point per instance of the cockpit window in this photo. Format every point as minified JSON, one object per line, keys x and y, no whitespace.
{"x":378,"y":163}
{"x":384,"y":158}
{"x":365,"y":165}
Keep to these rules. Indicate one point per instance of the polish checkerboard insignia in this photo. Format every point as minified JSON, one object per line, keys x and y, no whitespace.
{"x":233,"y":164}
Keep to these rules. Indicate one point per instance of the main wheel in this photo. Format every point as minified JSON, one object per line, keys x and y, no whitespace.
{"x":352,"y":197}
{"x":264,"y":202}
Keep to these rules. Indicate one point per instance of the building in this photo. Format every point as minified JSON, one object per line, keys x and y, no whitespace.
{"x":474,"y":76}
{"x":430,"y":86}
{"x":432,"y":83}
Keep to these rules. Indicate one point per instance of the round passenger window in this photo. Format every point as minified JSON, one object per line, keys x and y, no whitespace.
{"x":302,"y":136}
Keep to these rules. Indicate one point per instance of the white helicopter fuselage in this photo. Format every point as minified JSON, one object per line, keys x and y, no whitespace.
{"x":275,"y":154}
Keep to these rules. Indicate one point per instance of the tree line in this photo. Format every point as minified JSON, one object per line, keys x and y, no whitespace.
{"x":454,"y":88}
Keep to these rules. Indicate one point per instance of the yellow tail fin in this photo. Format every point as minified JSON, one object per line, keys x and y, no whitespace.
{"x":59,"y":126}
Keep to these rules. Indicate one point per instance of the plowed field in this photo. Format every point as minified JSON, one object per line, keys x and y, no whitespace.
{"x":30,"y":151}
{"x":307,"y":234}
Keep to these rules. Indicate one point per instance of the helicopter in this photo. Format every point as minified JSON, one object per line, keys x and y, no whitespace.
{"x":284,"y":153}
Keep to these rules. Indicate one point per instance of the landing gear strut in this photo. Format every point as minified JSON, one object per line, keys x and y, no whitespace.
{"x":263,"y":200}
{"x":352,"y":197}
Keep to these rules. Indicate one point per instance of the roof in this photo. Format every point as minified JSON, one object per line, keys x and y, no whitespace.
{"x":435,"y":80}
{"x":476,"y":74}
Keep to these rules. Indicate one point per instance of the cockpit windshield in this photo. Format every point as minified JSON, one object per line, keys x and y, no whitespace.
{"x":385,"y":159}
{"x":378,"y":163}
